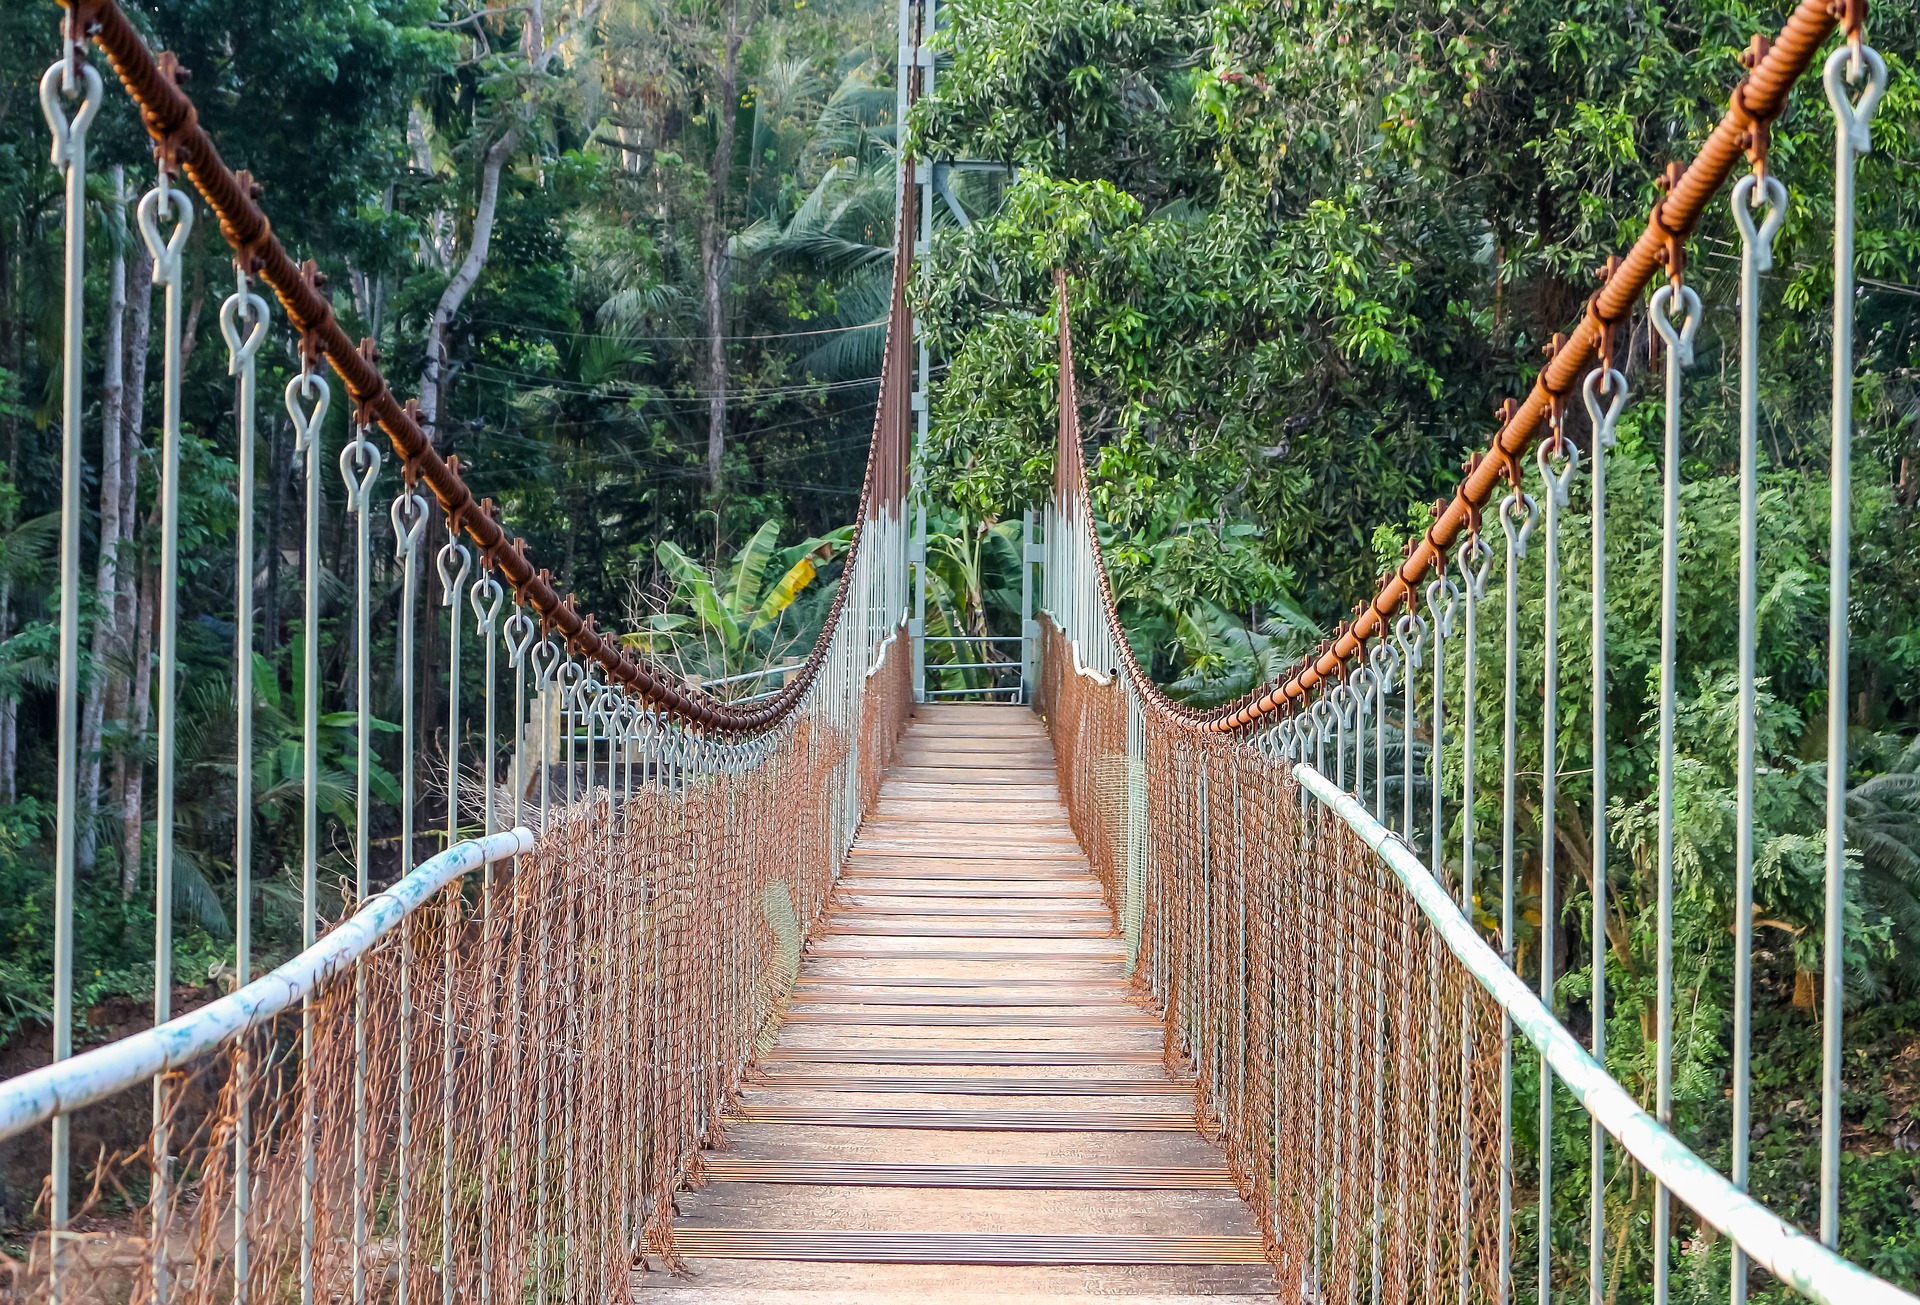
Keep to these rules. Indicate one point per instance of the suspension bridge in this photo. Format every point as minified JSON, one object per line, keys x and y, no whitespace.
{"x":843,"y":993}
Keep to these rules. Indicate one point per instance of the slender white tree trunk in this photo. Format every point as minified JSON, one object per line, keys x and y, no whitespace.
{"x":130,"y":703}
{"x":434,"y":376}
{"x":106,"y":575}
{"x":713,"y":252}
{"x":133,"y":804}
{"x":9,"y":708}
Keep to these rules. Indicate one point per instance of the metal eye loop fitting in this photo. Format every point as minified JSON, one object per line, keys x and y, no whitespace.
{"x":1610,"y":382}
{"x":1750,"y":193}
{"x":1410,"y":632}
{"x":306,"y":421}
{"x":1559,"y":483}
{"x":1660,"y":312}
{"x":450,"y":580}
{"x":1856,"y":115}
{"x":408,"y":512}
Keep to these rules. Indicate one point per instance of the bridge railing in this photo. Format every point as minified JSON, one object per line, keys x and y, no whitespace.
{"x":1296,"y":873}
{"x":485,"y":1081}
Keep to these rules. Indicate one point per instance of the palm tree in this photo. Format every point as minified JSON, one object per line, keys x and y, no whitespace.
{"x":843,"y":229}
{"x":1883,"y":823}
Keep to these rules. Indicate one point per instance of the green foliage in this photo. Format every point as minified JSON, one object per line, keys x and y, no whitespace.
{"x":1309,"y":247}
{"x":973,"y":595}
{"x":741,"y":620}
{"x":577,"y":397}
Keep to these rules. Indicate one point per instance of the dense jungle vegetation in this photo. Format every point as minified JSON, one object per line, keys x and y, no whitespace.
{"x":1311,"y":249}
{"x":633,"y":254}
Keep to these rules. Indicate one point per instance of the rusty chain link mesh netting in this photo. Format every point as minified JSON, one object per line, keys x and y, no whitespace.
{"x":1346,"y":1062}
{"x":543,"y":1042}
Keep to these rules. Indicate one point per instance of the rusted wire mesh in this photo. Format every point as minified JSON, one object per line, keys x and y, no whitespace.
{"x":1348,"y":1063}
{"x":546,"y":1048}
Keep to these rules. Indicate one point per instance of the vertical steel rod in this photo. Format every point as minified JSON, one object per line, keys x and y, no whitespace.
{"x":451,"y":582}
{"x":66,"y":75}
{"x":1475,"y":556}
{"x":1603,"y":439}
{"x":168,"y":270}
{"x":1852,"y":137}
{"x":359,"y":466}
{"x":1755,"y":257}
{"x":1679,"y":344}
{"x":1516,"y":535}
{"x":1549,"y":828}
{"x":309,"y":386}
{"x":243,"y":307}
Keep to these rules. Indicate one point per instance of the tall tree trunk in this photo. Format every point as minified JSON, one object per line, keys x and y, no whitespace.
{"x":9,"y":708}
{"x":437,"y":244}
{"x":713,"y":251}
{"x":131,"y":703}
{"x":277,"y":462}
{"x":434,"y":376}
{"x":113,"y":396}
{"x":9,"y":703}
{"x":197,"y":290}
{"x":132,"y":805}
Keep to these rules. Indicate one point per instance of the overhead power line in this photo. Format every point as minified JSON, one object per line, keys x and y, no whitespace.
{"x":672,"y":339}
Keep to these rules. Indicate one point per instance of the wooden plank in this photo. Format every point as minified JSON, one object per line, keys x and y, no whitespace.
{"x":954,"y":791}
{"x":972,"y":711}
{"x":1051,"y":932}
{"x":1054,"y":835}
{"x":978,"y":1085}
{"x":934,"y":773}
{"x":876,"y":888}
{"x":1006,"y":811}
{"x":959,"y":754}
{"x":881,"y":1247}
{"x":951,"y":846}
{"x":916,"y":1018}
{"x":843,"y":1173}
{"x":1012,"y":731}
{"x":964,"y":1039}
{"x":814,"y":996}
{"x":822,"y":979}
{"x":996,"y":1057}
{"x":877,"y":952}
{"x":870,"y":905}
{"x":971,"y":1121}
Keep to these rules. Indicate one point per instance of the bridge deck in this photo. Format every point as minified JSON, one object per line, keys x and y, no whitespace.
{"x":963,"y":1104}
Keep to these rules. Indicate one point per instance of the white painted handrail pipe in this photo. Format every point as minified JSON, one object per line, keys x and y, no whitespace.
{"x":68,"y":1085}
{"x":1795,"y":1258}
{"x":880,"y":654}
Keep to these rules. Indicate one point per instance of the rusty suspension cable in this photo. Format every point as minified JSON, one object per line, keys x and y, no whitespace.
{"x":182,"y":144}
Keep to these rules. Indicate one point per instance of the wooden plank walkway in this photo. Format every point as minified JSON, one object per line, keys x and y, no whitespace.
{"x":963,"y":1105}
